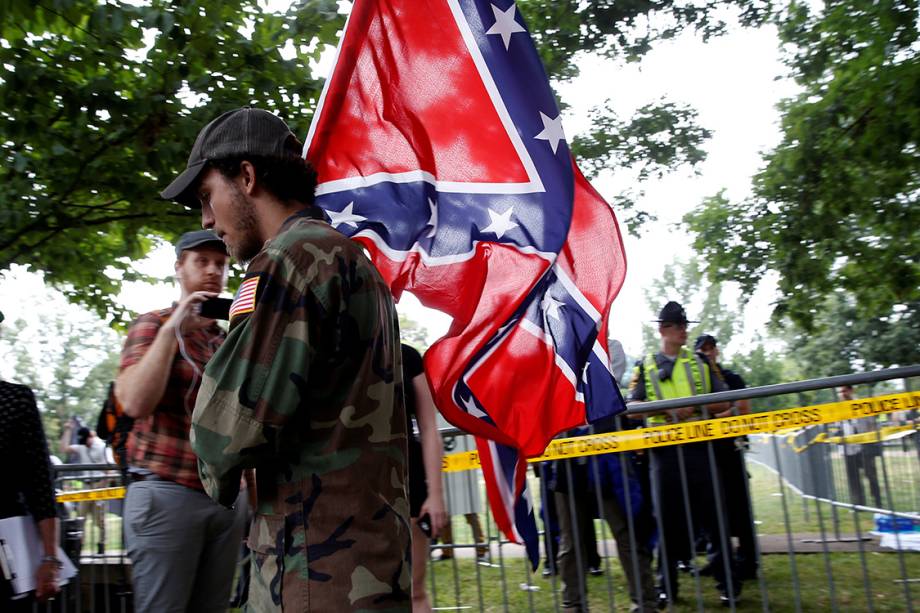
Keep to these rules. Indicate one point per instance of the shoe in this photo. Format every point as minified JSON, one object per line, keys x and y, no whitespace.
{"x":444,"y":557}
{"x":685,"y":567}
{"x":663,"y":600}
{"x":596,"y":571}
{"x":726,"y":600}
{"x":548,"y":572}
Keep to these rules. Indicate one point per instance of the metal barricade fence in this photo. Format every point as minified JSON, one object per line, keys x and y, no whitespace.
{"x":804,"y":517}
{"x":90,"y":505}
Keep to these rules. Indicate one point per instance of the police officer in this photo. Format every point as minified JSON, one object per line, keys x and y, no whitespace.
{"x":676,"y":372}
{"x":730,"y":458}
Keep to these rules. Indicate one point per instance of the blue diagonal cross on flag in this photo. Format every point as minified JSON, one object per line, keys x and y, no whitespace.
{"x":439,"y":146}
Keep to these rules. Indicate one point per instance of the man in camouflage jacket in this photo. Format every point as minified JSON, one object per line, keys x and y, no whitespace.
{"x":307,"y":388}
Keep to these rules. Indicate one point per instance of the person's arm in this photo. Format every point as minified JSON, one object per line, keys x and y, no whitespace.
{"x":235,"y":427}
{"x":46,"y":577}
{"x":38,"y":491}
{"x":66,"y":436}
{"x":142,"y":382}
{"x":739,"y":407}
{"x":636,"y":391}
{"x":617,"y":358}
{"x":716,"y":384}
{"x":432,"y":453}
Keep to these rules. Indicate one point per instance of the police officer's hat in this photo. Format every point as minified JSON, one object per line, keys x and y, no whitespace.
{"x":673,"y":313}
{"x":705,"y":339}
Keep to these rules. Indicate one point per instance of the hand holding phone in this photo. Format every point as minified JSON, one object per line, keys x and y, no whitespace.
{"x":216,"y":308}
{"x":424,"y":524}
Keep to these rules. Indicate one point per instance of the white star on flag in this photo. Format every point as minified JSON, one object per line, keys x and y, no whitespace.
{"x":470,"y":405}
{"x":433,"y":219}
{"x":345,"y":216}
{"x":500,"y":223}
{"x":552,"y":130}
{"x":505,"y":24}
{"x":550,"y":306}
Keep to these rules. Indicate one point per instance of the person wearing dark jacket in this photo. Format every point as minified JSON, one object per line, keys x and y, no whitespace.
{"x":28,"y":490}
{"x":677,"y":372}
{"x":729,"y":454}
{"x":611,"y":483}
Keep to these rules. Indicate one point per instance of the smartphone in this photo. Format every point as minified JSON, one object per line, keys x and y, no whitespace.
{"x":216,"y":308}
{"x":424,"y":524}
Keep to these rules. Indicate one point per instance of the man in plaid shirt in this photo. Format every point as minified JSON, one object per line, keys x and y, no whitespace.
{"x":183,"y":546}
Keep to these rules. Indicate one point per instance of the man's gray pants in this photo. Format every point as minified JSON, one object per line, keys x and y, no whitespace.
{"x":641,"y":588}
{"x":183,"y":547}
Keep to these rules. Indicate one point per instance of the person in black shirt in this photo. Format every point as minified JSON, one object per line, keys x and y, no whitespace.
{"x":730,"y":458}
{"x":29,"y":489}
{"x":426,"y":497}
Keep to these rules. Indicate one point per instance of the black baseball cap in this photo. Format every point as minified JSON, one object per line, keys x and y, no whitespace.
{"x":705,"y":339}
{"x":197,"y":238}
{"x":1,"y":317}
{"x":673,"y":313}
{"x":245,"y":131}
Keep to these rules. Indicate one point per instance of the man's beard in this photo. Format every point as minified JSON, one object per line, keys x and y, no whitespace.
{"x":245,"y":229}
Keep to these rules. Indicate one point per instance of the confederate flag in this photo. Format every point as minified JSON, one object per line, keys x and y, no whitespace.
{"x":439,"y":146}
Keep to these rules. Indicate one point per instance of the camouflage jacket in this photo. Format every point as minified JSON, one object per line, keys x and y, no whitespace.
{"x":307,"y":389}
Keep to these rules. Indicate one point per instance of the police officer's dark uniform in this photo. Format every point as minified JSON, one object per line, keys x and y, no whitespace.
{"x":730,"y":459}
{"x":659,"y":377}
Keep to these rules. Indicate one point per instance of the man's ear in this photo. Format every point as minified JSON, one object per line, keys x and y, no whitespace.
{"x":247,"y":177}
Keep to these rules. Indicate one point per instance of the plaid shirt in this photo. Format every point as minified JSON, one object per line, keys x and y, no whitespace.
{"x":159,"y":442}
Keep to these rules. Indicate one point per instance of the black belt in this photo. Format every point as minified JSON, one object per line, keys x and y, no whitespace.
{"x":135,"y":477}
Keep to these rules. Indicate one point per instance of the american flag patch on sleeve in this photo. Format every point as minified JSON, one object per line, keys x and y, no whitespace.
{"x":245,"y":299}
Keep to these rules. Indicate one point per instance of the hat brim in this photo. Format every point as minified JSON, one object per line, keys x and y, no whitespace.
{"x":177,"y":190}
{"x":219,"y":244}
{"x":668,"y":321}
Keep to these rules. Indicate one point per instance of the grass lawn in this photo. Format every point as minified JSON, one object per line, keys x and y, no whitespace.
{"x":496,"y":589}
{"x":500,"y":589}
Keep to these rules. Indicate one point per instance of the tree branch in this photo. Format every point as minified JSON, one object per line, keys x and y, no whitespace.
{"x":7,"y":261}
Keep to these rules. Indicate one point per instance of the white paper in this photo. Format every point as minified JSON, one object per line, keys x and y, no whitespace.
{"x":24,"y":552}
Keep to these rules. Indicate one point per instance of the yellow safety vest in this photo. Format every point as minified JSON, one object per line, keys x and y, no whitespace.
{"x":690,"y":377}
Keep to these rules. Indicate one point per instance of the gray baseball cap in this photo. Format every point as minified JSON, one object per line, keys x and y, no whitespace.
{"x":197,"y":238}
{"x":245,"y":131}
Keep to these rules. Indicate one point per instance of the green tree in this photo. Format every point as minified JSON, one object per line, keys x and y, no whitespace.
{"x":100,"y":104}
{"x":844,"y":342}
{"x":760,"y":367}
{"x":837,"y":204}
{"x":563,"y":29}
{"x":68,"y":365}
{"x":413,"y":333}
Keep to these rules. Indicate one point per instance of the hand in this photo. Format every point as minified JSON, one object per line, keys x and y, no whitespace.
{"x":46,"y":581}
{"x":434,"y":507}
{"x":185,"y":317}
{"x":682,"y":413}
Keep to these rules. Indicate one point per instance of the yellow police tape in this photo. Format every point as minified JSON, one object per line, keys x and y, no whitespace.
{"x":105,"y":493}
{"x":706,"y":430}
{"x":864,"y":438}
{"x":664,"y":436}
